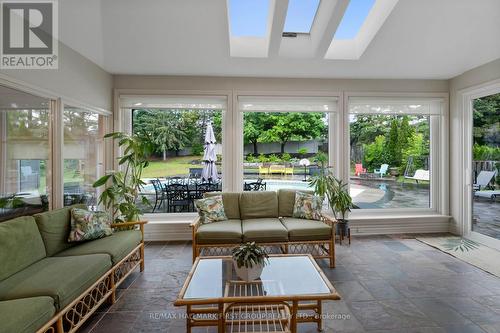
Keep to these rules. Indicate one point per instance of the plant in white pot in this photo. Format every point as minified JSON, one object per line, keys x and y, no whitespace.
{"x":249,"y":260}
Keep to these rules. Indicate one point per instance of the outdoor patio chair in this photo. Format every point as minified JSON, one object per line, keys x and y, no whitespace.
{"x":492,"y":195}
{"x":289,"y":169}
{"x":175,"y":180}
{"x":383,"y":170}
{"x":483,"y":180}
{"x":203,"y":188}
{"x":160,"y":195}
{"x":178,"y":197}
{"x":359,"y":169}
{"x":255,"y":186}
{"x":263,"y":170}
{"x":420,"y":174}
{"x":277,"y":169}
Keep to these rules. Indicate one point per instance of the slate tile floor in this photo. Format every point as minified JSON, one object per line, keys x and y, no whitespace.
{"x":388,"y":284}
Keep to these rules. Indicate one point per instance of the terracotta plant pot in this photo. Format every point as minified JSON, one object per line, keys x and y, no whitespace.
{"x":248,"y":274}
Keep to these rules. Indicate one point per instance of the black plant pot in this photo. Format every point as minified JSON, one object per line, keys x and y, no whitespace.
{"x":343,"y":227}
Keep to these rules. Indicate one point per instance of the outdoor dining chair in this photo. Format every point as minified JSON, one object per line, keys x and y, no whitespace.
{"x":160,"y":195}
{"x":178,"y":197}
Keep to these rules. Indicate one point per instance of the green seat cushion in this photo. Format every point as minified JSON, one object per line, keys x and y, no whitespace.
{"x":264,"y":230}
{"x":25,"y":315}
{"x":220,"y":232}
{"x":54,"y":227}
{"x":62,"y":278}
{"x":117,"y":245}
{"x":256,"y":205}
{"x":303,"y":230}
{"x":20,"y":245}
{"x":286,"y":201}
{"x":231,"y":201}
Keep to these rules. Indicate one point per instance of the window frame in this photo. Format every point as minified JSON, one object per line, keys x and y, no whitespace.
{"x":56,"y":134}
{"x":123,"y":122}
{"x":439,"y":158}
{"x":334,"y":127}
{"x":465,"y":199}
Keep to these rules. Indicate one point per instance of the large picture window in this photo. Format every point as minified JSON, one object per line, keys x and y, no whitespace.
{"x":24,"y":154}
{"x":285,"y":140}
{"x":187,"y":161}
{"x":392,"y":150}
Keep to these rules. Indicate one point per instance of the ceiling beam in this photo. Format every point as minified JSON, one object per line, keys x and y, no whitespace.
{"x":336,"y":16}
{"x":276,"y":24}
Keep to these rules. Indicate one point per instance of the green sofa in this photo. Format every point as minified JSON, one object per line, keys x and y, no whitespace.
{"x":43,"y":277}
{"x":266,"y":218}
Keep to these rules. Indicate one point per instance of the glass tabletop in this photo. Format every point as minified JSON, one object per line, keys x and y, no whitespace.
{"x":282,"y":276}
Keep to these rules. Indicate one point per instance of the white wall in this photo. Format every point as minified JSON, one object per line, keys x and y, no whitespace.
{"x":474,"y":77}
{"x":77,"y":78}
{"x":285,"y":84}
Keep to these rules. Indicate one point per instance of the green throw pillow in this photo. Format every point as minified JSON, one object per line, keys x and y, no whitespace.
{"x":211,"y":209}
{"x":87,"y":225}
{"x":307,"y":206}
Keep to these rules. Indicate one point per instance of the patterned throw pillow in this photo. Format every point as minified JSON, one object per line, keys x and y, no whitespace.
{"x":87,"y":225}
{"x":211,"y":209}
{"x":307,"y":206}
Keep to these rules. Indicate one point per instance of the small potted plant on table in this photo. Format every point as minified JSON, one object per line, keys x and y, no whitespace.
{"x":249,"y":260}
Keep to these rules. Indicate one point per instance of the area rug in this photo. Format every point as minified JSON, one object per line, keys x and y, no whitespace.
{"x":467,"y":250}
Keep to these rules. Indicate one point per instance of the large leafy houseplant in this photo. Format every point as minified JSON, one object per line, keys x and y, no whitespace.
{"x":325,"y":184}
{"x":123,"y":186}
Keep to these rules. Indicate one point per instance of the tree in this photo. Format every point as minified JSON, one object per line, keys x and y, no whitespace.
{"x":253,"y":128}
{"x":375,"y":153}
{"x":284,"y":127}
{"x":487,"y":120}
{"x":393,"y":146}
{"x":164,"y":129}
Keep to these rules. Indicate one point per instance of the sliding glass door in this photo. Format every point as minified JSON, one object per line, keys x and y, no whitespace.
{"x":485,"y":149}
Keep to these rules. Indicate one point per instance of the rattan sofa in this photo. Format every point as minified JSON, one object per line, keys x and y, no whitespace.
{"x":265,"y":218}
{"x":50,"y":285}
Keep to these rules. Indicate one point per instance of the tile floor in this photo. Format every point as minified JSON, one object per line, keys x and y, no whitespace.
{"x":387,"y":284}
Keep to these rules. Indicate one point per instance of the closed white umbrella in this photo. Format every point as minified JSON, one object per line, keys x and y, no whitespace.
{"x":209,"y":157}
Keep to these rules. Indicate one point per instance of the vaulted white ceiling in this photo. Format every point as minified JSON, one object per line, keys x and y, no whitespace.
{"x":435,"y":39}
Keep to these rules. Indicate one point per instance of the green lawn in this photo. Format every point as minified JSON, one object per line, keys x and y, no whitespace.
{"x":173,"y":166}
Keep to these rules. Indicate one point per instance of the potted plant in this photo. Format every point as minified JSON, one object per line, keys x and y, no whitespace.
{"x":337,"y":193}
{"x":123,"y":186}
{"x":249,"y":260}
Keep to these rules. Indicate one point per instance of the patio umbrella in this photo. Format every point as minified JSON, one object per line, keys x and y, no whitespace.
{"x":209,"y":171}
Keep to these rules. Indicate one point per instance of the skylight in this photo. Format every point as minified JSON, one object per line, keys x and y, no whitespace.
{"x":248,"y":18}
{"x":354,"y":17}
{"x":300,"y":15}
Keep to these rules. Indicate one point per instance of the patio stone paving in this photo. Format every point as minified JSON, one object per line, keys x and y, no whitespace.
{"x":487,"y":217}
{"x":387,"y":284}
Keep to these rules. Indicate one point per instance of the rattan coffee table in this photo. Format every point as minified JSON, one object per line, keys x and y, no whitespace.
{"x":290,"y":291}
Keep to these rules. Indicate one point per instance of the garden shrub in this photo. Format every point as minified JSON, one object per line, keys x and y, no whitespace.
{"x":197,"y":149}
{"x":375,"y":153}
{"x":286,"y":157}
{"x":262,"y":158}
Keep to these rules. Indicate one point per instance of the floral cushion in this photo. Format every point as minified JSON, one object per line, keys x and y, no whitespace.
{"x":211,"y":209}
{"x":307,"y":206}
{"x":87,"y":225}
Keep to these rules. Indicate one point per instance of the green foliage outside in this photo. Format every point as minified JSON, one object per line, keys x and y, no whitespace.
{"x":174,"y":130}
{"x":397,"y":138}
{"x":283,"y":127}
